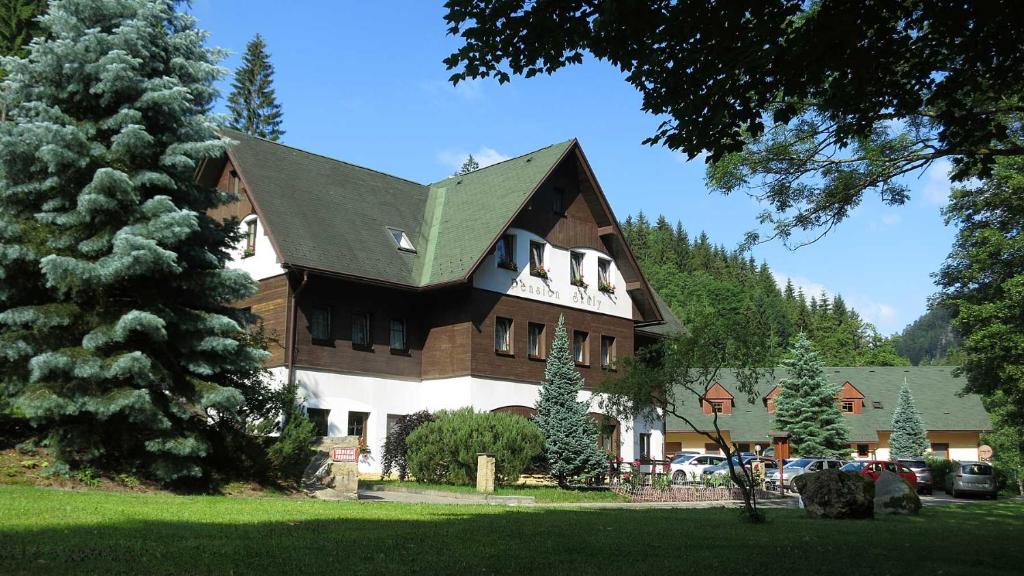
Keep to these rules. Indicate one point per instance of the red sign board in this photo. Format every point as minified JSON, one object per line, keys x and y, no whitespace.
{"x":345,"y":454}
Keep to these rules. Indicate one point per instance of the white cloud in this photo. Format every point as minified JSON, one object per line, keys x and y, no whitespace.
{"x":884,"y":316}
{"x":936,"y":183}
{"x":484,"y":156}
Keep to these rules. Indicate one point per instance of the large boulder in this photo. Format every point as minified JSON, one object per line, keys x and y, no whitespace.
{"x":894,"y":495}
{"x":835,"y":494}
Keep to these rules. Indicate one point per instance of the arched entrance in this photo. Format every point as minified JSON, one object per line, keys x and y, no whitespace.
{"x":524,"y":411}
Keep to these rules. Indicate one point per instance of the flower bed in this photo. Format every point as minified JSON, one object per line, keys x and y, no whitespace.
{"x":676,"y":493}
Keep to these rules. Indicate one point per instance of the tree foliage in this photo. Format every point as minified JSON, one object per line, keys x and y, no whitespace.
{"x":396,"y":447}
{"x":806,"y":406}
{"x":117,"y":335}
{"x":252,"y":103}
{"x":806,"y":105}
{"x":908,"y":439}
{"x":930,"y":340}
{"x":18,"y":25}
{"x":468,"y":166}
{"x":687,"y":272}
{"x":570,"y":436}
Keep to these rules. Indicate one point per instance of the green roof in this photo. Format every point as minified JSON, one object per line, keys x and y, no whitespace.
{"x":333,"y":216}
{"x":938,"y":396}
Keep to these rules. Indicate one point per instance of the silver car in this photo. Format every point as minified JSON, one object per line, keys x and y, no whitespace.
{"x":972,"y":478}
{"x":923,"y":473}
{"x":799,"y":467}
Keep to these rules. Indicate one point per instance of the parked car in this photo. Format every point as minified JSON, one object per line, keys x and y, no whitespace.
{"x":972,"y":478}
{"x":797,"y":468}
{"x":723,"y":468}
{"x":873,"y":468}
{"x":923,"y":473}
{"x":685,"y":467}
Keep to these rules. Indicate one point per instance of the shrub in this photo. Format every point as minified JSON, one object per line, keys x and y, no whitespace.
{"x":396,"y":448}
{"x":293,"y":450}
{"x":940,"y":469}
{"x":445,"y":451}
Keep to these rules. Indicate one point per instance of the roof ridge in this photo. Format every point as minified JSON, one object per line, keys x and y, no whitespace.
{"x":324,"y":156}
{"x":489,"y":166}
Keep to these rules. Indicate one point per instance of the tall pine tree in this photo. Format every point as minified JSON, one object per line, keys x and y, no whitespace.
{"x":806,"y":406}
{"x":252,"y":104}
{"x":468,"y":166}
{"x":116,"y":334}
{"x":908,"y":439}
{"x":570,"y":436}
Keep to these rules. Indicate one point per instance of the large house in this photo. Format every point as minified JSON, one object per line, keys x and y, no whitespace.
{"x":867,"y":397}
{"x":387,"y":296}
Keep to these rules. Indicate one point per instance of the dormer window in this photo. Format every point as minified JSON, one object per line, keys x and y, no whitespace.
{"x":717,"y":407}
{"x":401,"y":240}
{"x":250,"y":237}
{"x":505,"y":250}
{"x":847,"y":406}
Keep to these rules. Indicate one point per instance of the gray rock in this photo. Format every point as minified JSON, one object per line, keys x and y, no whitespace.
{"x":894,"y":495}
{"x":835,"y":494}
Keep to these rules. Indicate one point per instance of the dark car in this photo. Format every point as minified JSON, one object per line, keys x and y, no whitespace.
{"x":925,"y":483}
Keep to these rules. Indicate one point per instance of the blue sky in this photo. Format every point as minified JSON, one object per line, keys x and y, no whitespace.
{"x":364,"y":82}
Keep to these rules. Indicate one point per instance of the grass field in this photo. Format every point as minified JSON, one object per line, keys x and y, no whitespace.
{"x":545,"y":494}
{"x":47,"y":531}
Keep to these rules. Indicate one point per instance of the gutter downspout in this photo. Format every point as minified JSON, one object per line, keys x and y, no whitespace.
{"x":293,"y":314}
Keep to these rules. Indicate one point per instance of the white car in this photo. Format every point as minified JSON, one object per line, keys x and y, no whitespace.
{"x":688,"y":467}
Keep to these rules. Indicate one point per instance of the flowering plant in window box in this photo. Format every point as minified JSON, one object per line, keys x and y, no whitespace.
{"x":508,"y":265}
{"x":540,"y":272}
{"x":364,"y":449}
{"x":248,"y":252}
{"x":580,"y":283}
{"x":607,"y":288}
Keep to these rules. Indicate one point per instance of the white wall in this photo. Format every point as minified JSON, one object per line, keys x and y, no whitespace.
{"x":556,"y":288}
{"x":344,"y":393}
{"x":263,"y":263}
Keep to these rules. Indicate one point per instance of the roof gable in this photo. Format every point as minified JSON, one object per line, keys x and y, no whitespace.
{"x":849,"y":392}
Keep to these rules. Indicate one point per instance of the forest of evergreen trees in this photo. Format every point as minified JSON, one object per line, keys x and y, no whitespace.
{"x":689,"y":273}
{"x":930,"y":339}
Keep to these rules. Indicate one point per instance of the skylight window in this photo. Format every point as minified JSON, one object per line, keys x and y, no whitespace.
{"x":401,"y":239}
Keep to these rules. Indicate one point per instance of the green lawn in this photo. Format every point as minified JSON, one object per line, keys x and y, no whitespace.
{"x":46,"y":531}
{"x":547,"y":494}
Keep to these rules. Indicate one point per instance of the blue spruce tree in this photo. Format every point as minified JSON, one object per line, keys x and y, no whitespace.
{"x":908,"y":439}
{"x":116,"y":335}
{"x":570,"y":435}
{"x":806,"y":406}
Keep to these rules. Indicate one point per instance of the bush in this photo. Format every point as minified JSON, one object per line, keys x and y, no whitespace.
{"x":396,"y":448}
{"x":940,"y":469}
{"x":445,"y":451}
{"x":293,"y":450}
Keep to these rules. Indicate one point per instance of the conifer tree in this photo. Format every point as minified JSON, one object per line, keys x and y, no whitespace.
{"x":116,"y":336}
{"x":908,"y":439}
{"x":570,"y":436}
{"x":468,"y":166}
{"x":252,"y":104}
{"x":806,"y":406}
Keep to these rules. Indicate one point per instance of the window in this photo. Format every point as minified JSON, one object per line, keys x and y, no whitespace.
{"x":743,"y":447}
{"x":503,"y":335}
{"x":535,"y":342}
{"x":608,"y":352}
{"x":236,"y":183}
{"x":717,"y":406}
{"x":579,"y":347}
{"x":357,"y":423}
{"x":862,"y":450}
{"x":537,"y":259}
{"x":847,"y":407}
{"x":392,"y":421}
{"x":398,"y":336}
{"x":558,"y":200}
{"x":361,"y":336}
{"x":505,"y":250}
{"x":576,"y":269}
{"x":711,"y":448}
{"x":250,"y":238}
{"x":604,"y":276}
{"x":940,"y":451}
{"x":320,"y":324}
{"x":645,"y":447}
{"x":319,"y":417}
{"x":401,"y":239}
{"x":876,"y":405}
